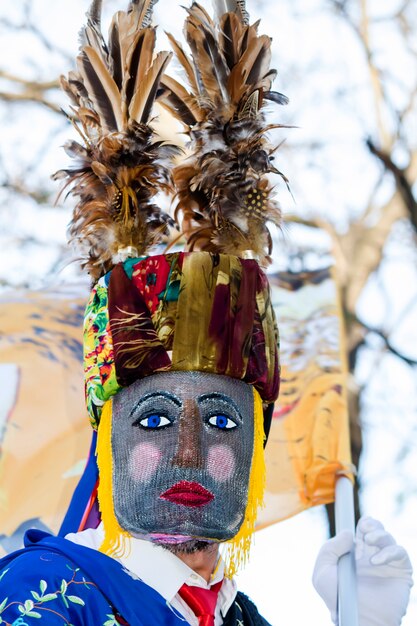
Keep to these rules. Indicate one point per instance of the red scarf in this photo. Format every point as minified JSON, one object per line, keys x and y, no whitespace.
{"x":202,"y":602}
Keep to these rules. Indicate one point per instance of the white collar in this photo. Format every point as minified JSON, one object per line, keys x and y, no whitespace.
{"x":148,"y":560}
{"x":153,"y":564}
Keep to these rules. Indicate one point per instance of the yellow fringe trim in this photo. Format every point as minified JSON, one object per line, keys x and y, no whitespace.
{"x":238,"y":548}
{"x":115,"y":537}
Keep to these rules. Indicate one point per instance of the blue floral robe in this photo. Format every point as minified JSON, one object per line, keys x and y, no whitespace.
{"x":56,"y":582}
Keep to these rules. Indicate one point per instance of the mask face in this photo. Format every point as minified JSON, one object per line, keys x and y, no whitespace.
{"x":182,"y":446}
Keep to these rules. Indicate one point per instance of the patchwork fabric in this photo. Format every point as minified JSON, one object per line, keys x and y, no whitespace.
{"x":180,"y":312}
{"x":99,"y":368}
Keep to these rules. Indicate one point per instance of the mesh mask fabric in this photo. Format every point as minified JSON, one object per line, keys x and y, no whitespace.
{"x":189,"y":450}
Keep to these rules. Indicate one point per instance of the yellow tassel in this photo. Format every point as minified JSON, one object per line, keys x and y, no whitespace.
{"x":237,"y":551}
{"x":114,"y":543}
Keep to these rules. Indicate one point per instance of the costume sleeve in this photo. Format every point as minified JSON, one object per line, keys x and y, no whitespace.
{"x":44,"y":588}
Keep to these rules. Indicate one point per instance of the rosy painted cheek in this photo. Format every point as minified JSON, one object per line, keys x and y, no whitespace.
{"x":144,"y":462}
{"x":220,"y":463}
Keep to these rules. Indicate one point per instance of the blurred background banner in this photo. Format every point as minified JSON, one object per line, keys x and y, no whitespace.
{"x":45,"y":432}
{"x":309,"y":440}
{"x":43,"y":425}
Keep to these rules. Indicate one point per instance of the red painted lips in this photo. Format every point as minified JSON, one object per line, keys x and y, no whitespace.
{"x":187,"y":494}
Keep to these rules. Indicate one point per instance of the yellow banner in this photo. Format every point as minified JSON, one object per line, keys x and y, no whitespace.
{"x":44,"y":431}
{"x":309,"y":440}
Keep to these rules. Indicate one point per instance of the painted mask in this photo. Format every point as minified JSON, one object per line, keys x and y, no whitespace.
{"x":182,"y":446}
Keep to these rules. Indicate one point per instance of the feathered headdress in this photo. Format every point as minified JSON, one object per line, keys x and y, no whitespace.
{"x":145,"y":314}
{"x":120,"y":164}
{"x":223,"y":191}
{"x":205,"y":311}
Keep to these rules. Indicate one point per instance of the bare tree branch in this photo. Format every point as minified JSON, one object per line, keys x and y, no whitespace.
{"x":30,"y":84}
{"x":391,"y":348}
{"x":362,"y":330}
{"x":32,"y":91}
{"x":401,"y":182}
{"x":29,"y":97}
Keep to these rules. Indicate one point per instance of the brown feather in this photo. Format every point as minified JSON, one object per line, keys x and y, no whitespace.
{"x":120,"y":166}
{"x":143,"y":10}
{"x":258,"y":58}
{"x":210,"y":75}
{"x":102,"y":89}
{"x":139,"y":61}
{"x":115,"y":54}
{"x":229,"y":37}
{"x":185,"y":61}
{"x":224,"y":199}
{"x":142,"y":101}
{"x":179,"y":102}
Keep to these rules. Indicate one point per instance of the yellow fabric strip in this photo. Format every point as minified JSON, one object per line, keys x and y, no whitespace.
{"x":114,"y":536}
{"x":192,"y":348}
{"x":237,"y":553}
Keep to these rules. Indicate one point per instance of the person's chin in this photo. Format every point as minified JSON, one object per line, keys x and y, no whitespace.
{"x":190,"y":546}
{"x":177,"y":544}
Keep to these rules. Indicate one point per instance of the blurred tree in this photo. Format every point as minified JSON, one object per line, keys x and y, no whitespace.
{"x":385,"y":37}
{"x":348,"y":67}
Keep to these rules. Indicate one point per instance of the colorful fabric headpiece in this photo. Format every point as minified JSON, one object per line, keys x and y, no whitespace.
{"x":180,"y":312}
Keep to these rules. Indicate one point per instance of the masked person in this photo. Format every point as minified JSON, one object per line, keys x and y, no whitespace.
{"x":181,"y":349}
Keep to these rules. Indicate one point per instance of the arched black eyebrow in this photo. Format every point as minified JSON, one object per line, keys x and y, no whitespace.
{"x":215,"y":395}
{"x":156,"y":394}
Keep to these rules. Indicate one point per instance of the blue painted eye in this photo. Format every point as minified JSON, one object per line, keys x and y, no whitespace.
{"x":154,"y":421}
{"x":222,"y":421}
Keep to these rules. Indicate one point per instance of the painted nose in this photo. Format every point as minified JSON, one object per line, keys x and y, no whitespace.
{"x":189,"y":453}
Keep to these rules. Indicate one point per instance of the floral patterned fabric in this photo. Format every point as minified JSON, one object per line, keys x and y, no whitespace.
{"x":56,"y":592}
{"x":99,"y":370}
{"x":182,"y":311}
{"x":58,"y":583}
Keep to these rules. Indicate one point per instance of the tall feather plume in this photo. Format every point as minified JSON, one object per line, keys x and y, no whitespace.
{"x":231,"y":6}
{"x":119,"y":163}
{"x":224,"y":196}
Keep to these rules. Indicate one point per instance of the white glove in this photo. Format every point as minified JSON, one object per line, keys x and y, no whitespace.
{"x":383,"y":570}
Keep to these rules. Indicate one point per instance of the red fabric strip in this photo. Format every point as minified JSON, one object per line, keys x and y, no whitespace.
{"x":202,"y":602}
